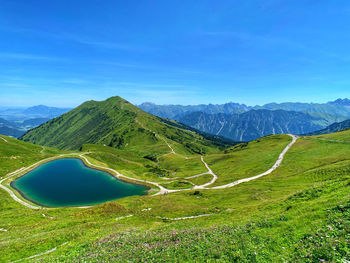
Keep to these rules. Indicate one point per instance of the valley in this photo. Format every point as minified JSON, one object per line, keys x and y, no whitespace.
{"x":200,"y":188}
{"x":15,"y":121}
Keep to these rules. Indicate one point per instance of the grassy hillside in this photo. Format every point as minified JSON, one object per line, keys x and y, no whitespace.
{"x":335,"y":127}
{"x":15,"y":154}
{"x":299,"y":213}
{"x":118,"y":124}
{"x":247,"y":159}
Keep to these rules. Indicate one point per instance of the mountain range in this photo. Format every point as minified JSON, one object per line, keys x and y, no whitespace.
{"x":117,"y":123}
{"x":44,"y":111}
{"x":172,"y":111}
{"x":15,"y":121}
{"x":252,"y":124}
{"x":332,"y":111}
{"x":242,"y":122}
{"x":234,"y":121}
{"x":39,"y":111}
{"x":10,"y":129}
{"x":335,"y":127}
{"x":342,"y":102}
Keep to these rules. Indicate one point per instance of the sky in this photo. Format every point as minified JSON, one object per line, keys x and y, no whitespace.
{"x":62,"y":53}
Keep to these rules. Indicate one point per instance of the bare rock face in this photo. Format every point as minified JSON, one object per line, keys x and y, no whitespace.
{"x":252,"y":124}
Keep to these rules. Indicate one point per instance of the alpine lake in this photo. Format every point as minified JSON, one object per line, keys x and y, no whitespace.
{"x":69,"y":182}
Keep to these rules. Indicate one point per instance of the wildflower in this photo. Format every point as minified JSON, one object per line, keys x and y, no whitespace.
{"x":329,"y":228}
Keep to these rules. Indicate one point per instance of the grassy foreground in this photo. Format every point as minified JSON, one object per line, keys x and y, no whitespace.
{"x":299,"y":213}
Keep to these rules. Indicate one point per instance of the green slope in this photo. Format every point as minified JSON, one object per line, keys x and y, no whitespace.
{"x":15,"y":154}
{"x":299,"y":213}
{"x":117,"y":123}
{"x":335,"y":127}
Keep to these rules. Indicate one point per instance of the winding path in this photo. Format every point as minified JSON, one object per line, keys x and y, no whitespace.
{"x":42,"y":150}
{"x":12,"y":194}
{"x":215,"y":177}
{"x":163,"y":190}
{"x":42,"y":253}
{"x":273,"y":168}
{"x":182,"y":218}
{"x":189,"y":177}
{"x":172,"y":151}
{"x":3,"y":139}
{"x":205,"y":186}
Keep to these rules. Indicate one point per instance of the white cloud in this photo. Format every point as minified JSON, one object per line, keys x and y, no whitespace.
{"x":22,"y":56}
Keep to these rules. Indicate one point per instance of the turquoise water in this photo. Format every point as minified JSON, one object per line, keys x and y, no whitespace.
{"x":69,"y":182}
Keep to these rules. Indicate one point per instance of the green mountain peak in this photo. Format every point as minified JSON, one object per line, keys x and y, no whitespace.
{"x":117,"y":123}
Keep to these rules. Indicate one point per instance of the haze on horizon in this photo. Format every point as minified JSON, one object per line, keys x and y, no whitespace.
{"x":62,"y":53}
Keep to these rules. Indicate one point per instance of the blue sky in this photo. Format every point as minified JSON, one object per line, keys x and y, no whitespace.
{"x":62,"y":53}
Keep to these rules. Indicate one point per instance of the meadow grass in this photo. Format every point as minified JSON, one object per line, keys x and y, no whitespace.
{"x":343,"y":136}
{"x":300,"y":212}
{"x":201,"y":179}
{"x":178,"y":166}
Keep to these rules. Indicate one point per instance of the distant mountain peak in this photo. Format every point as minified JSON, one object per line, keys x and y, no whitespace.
{"x":116,"y":98}
{"x":147,"y":103}
{"x":174,"y":111}
{"x":335,"y":127}
{"x":38,"y":107}
{"x":343,"y":102}
{"x":43,"y":110}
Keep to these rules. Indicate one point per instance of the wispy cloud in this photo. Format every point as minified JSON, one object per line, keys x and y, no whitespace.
{"x":152,"y":85}
{"x":244,"y":36}
{"x":75,"y":81}
{"x":139,"y":95}
{"x":272,"y":41}
{"x":121,"y":64}
{"x":14,"y":85}
{"x":104,"y":44}
{"x":149,"y":66}
{"x":22,"y":56}
{"x":82,"y":39}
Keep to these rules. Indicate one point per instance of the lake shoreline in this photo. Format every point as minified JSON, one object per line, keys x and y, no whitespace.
{"x":87,"y":165}
{"x":124,"y":179}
